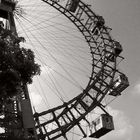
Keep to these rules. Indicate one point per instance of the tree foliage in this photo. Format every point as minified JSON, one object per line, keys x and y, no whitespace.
{"x":17,"y":64}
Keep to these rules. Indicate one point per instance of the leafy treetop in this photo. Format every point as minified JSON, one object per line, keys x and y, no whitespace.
{"x":17,"y":64}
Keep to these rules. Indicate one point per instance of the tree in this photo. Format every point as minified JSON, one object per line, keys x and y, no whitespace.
{"x":17,"y":64}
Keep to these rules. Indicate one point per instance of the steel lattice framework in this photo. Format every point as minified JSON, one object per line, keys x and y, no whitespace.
{"x":104,"y":71}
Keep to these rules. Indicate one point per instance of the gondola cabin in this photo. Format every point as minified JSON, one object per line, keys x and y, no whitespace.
{"x":117,"y":49}
{"x":72,"y":6}
{"x":101,"y":126}
{"x":120,"y":84}
{"x":97,"y":25}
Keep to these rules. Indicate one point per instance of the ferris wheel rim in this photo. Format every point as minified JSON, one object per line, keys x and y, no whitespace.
{"x":75,"y":21}
{"x":90,"y":85}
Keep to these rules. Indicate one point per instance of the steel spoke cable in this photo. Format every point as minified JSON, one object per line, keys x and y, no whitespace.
{"x":74,"y":68}
{"x":39,"y":83}
{"x":75,"y":59}
{"x":45,"y":100}
{"x":40,"y":8}
{"x":61,"y":89}
{"x":84,"y":58}
{"x":40,"y":11}
{"x":46,"y":55}
{"x":35,"y":7}
{"x":52,"y":88}
{"x":49,"y":20}
{"x":70,"y":66}
{"x":32,"y":100}
{"x":31,"y":5}
{"x":64,"y":48}
{"x":44,"y":94}
{"x":57,"y":93}
{"x":30,"y":11}
{"x":55,"y":59}
{"x":58,"y":29}
{"x":43,"y":20}
{"x":60,"y":74}
{"x":111,"y":101}
{"x":29,"y":1}
{"x":67,"y":55}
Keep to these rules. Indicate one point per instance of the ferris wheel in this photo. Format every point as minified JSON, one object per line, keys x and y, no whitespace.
{"x":79,"y":62}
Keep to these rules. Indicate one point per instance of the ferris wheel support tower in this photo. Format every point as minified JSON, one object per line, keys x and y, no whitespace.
{"x":22,"y":123}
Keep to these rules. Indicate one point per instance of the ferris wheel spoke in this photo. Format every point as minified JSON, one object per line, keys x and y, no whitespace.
{"x":44,"y":92}
{"x":54,"y":27}
{"x":55,"y":87}
{"x":54,"y":58}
